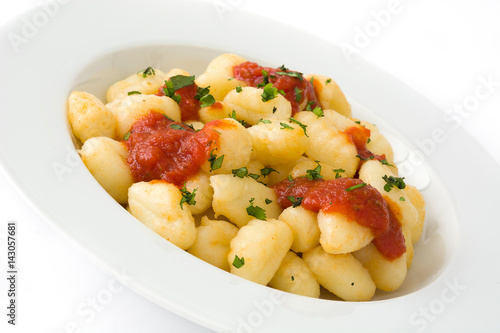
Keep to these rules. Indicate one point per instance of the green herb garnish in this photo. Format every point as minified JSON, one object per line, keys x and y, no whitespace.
{"x":187,"y":197}
{"x":215,"y":162}
{"x":270,"y":92}
{"x":238,"y":262}
{"x":241,"y":172}
{"x":298,"y":94}
{"x":352,"y":188}
{"x":314,"y":173}
{"x":233,"y":116}
{"x":295,"y":121}
{"x":264,"y":121}
{"x":285,"y":126}
{"x":148,"y":71}
{"x":296,"y":201}
{"x":266,"y":171}
{"x":181,"y":81}
{"x":384,"y":162}
{"x":296,"y":75}
{"x":178,"y":127}
{"x":265,"y":79}
{"x":337,"y":172}
{"x":392,"y":181}
{"x":256,"y":211}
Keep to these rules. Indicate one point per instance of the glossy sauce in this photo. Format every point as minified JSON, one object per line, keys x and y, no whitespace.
{"x":365,"y":205}
{"x":160,"y":148}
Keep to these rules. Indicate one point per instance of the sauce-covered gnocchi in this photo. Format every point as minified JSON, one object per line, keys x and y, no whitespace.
{"x":262,"y":172}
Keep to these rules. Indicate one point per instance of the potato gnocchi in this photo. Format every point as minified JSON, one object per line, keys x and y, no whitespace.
{"x":262,"y":172}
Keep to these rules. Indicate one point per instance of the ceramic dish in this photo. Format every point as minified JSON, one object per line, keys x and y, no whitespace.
{"x":89,"y":45}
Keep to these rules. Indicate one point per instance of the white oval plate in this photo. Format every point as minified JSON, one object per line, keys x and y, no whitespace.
{"x":89,"y":45}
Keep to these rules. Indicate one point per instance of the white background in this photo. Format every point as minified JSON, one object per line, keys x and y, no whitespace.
{"x":445,"y":51}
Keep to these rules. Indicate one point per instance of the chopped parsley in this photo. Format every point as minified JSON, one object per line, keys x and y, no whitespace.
{"x":177,"y":82}
{"x":187,"y":197}
{"x":147,"y":72}
{"x":352,"y":188}
{"x":392,"y":181}
{"x":265,"y":79}
{"x":238,"y":262}
{"x":181,"y":81}
{"x":233,"y":115}
{"x":295,"y":121}
{"x":296,"y":75}
{"x":200,"y":92}
{"x":328,"y":81}
{"x":264,"y":121}
{"x":256,"y":211}
{"x":241,"y":172}
{"x":274,"y":109}
{"x":268,"y":201}
{"x":285,"y":126}
{"x":253,"y":175}
{"x":215,"y":162}
{"x":206,"y":99}
{"x":317,"y":110}
{"x":239,"y":89}
{"x":270,"y":92}
{"x":365,"y":159}
{"x":178,"y":127}
{"x":292,"y":278}
{"x":314,"y":173}
{"x":126,"y":136}
{"x":296,"y":201}
{"x":298,"y":95}
{"x":338,"y":172}
{"x":402,"y":199}
{"x":133,"y":93}
{"x":169,"y":91}
{"x":384,"y":162}
{"x":266,"y":171}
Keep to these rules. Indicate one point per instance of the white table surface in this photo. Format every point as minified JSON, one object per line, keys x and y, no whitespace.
{"x":446,"y":51}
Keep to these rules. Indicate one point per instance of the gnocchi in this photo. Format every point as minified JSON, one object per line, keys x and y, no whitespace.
{"x":262,"y":172}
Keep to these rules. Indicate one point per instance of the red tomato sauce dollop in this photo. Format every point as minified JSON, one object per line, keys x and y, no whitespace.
{"x":364,"y":205}
{"x":296,"y":89}
{"x":160,"y":148}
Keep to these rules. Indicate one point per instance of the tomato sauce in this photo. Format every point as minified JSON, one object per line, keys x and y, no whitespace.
{"x":358,"y":201}
{"x":188,"y":104}
{"x":160,"y":148}
{"x":359,"y":136}
{"x":296,"y":88}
